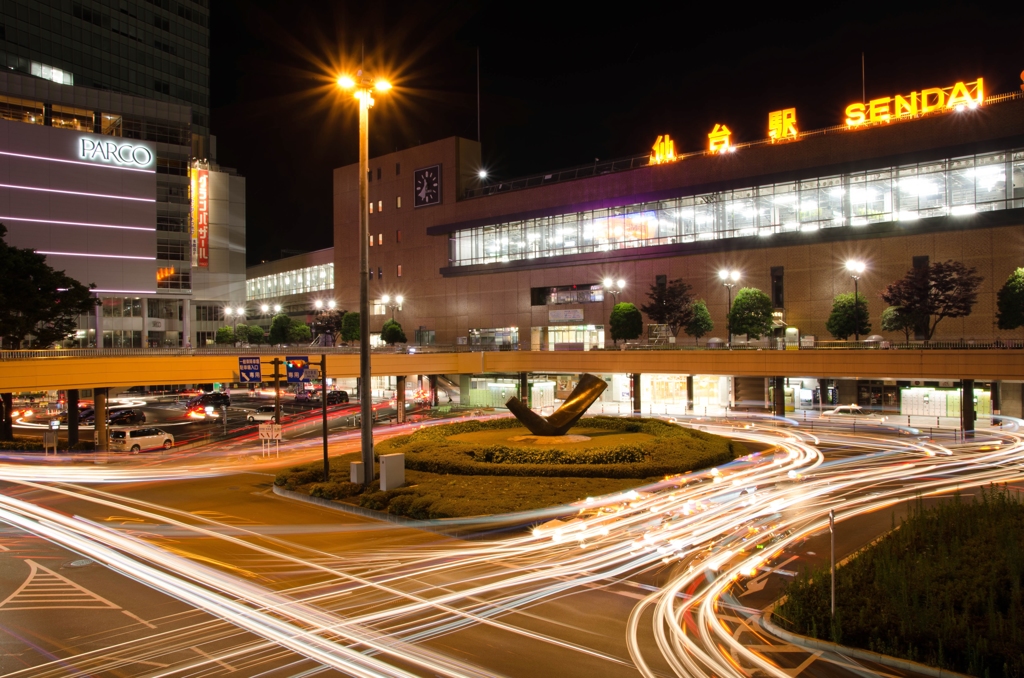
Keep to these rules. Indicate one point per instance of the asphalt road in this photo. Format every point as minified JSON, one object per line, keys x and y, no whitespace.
{"x":522,"y":605}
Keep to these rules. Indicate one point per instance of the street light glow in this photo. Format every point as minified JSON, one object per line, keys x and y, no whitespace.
{"x":854,"y":266}
{"x":729,"y":275}
{"x":318,"y":304}
{"x":277,"y":308}
{"x":608,"y":282}
{"x":621,"y":284}
{"x":228,"y":311}
{"x":382,"y":85}
{"x":399,"y":299}
{"x":346,"y":82}
{"x":482,"y":174}
{"x":386,"y":298}
{"x":331,"y":304}
{"x":264,"y":308}
{"x":240,"y":311}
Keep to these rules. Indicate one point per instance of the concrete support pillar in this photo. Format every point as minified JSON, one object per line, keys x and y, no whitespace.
{"x":967,"y":416}
{"x":145,"y":322}
{"x":635,"y":388}
{"x":997,"y":400}
{"x":779,"y":396}
{"x":433,"y":390}
{"x":689,"y":393}
{"x":100,"y":412}
{"x":99,"y":325}
{"x":524,"y":388}
{"x":72,"y":417}
{"x":186,"y":323}
{"x":400,"y":399}
{"x":465,"y":384}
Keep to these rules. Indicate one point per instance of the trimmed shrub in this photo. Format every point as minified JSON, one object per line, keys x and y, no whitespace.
{"x":335,"y":490}
{"x":675,"y":449}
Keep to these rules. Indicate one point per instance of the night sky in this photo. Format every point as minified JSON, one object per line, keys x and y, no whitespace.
{"x":559,"y":87}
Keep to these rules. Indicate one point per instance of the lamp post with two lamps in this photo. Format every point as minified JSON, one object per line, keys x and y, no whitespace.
{"x":236,"y":314}
{"x":856,"y":268}
{"x":392,"y":303}
{"x":729,"y":279}
{"x":321,"y":308}
{"x":614,"y":288}
{"x":363,"y":87}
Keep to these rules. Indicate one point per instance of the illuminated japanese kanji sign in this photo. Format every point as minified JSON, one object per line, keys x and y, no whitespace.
{"x":782,"y":124}
{"x":718,"y":139}
{"x":664,"y":150}
{"x":200,"y":218}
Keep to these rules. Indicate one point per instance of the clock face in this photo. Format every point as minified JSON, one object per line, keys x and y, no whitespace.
{"x":427,"y":184}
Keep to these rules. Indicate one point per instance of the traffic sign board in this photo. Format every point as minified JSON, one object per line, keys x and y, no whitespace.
{"x":270,"y":431}
{"x":249,"y":370}
{"x":296,"y":366}
{"x":310,"y":374}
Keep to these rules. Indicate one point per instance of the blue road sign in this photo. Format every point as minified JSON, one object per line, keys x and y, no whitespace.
{"x":249,"y":370}
{"x":295,"y":367}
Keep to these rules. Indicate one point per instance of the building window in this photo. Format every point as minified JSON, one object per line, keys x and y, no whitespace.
{"x":380,"y":205}
{"x":171,"y":223}
{"x":371,"y":207}
{"x":399,"y":270}
{"x":495,"y":336}
{"x":567,"y":294}
{"x":380,"y":273}
{"x":380,"y":238}
{"x":371,"y":240}
{"x":173,"y":278}
{"x":398,"y":236}
{"x":369,"y":175}
{"x":378,"y":307}
{"x":398,"y":201}
{"x":208,"y":313}
{"x":778,"y":300}
{"x":378,"y":172}
{"x":398,"y":170}
{"x":205,"y":339}
{"x":172,"y":250}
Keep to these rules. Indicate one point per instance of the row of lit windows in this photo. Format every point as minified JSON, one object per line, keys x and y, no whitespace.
{"x":380,"y":238}
{"x":299,"y":281}
{"x":957,"y":186}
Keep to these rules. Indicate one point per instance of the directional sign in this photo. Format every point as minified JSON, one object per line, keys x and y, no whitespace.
{"x":311,"y":374}
{"x":249,"y":370}
{"x":270,"y":431}
{"x":296,"y":366}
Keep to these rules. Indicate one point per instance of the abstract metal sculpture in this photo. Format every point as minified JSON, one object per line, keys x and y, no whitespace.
{"x":565,"y":417}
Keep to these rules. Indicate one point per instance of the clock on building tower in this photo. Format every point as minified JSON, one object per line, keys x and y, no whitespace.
{"x":427,"y":183}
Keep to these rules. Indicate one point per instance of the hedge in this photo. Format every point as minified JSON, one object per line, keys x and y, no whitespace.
{"x":36,"y":445}
{"x":675,"y":449}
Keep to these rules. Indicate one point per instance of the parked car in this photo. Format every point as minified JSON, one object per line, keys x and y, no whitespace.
{"x":215,"y":399}
{"x":127,"y":417}
{"x":303,"y":397}
{"x":140,"y":439}
{"x":852,"y":412}
{"x":262,"y":413}
{"x":85,"y":416}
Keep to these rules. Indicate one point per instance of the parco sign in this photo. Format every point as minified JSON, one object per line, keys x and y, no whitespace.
{"x":114,"y":153}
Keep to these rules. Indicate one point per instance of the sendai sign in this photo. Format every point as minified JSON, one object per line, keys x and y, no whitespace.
{"x":114,"y":153}
{"x":932,"y":100}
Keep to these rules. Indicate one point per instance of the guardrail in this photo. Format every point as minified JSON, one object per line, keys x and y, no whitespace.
{"x":761,"y":345}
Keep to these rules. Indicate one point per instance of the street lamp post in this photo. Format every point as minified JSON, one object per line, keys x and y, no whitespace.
{"x":392,"y":303}
{"x":856,"y":268}
{"x":729,"y":279}
{"x":614,"y":288}
{"x":236,"y":314}
{"x":363,"y":87}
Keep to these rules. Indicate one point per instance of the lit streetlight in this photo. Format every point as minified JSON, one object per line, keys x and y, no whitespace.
{"x":363,"y":87}
{"x":236,"y":314}
{"x":264,"y":309}
{"x":729,"y":279}
{"x":392,"y":303}
{"x":856,"y":268}
{"x":277,"y":308}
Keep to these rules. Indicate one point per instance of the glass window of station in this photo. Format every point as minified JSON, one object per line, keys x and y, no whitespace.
{"x":298,"y":281}
{"x":950,"y":187}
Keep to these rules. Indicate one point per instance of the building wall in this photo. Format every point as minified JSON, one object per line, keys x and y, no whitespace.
{"x":224,"y":280}
{"x":452,"y":301}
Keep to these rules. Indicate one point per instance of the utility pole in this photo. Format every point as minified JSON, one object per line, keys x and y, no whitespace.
{"x":276,"y":362}
{"x":832,"y":531}
{"x":323,"y":405}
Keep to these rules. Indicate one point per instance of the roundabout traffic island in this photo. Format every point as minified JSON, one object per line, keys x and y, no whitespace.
{"x":498,"y":466}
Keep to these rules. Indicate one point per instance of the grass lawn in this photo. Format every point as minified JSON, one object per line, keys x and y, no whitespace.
{"x":598,"y":437}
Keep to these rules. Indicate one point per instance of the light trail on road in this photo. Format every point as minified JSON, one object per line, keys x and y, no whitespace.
{"x":375,"y":611}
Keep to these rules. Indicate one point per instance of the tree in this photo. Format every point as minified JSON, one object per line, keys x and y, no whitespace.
{"x":848,"y":316}
{"x":392,"y":333}
{"x":299,"y":333}
{"x":751,"y":313}
{"x":255,"y":335}
{"x":701,"y":323}
{"x":279,"y":326}
{"x":241,"y":333}
{"x":350,"y":327}
{"x":1010,"y":302}
{"x":36,"y":300}
{"x":225,"y":335}
{"x":946,"y":289}
{"x":671,"y":305}
{"x":895,"y":320}
{"x":626,"y":322}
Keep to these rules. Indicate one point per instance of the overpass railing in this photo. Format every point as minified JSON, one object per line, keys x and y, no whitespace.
{"x":761,"y":345}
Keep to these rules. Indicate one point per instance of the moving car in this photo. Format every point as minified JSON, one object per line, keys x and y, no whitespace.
{"x":262,"y":413}
{"x":303,"y":397}
{"x":337,"y":397}
{"x":215,"y":399}
{"x":127,"y":417}
{"x":140,"y":439}
{"x":852,"y":412}
{"x":200,"y":413}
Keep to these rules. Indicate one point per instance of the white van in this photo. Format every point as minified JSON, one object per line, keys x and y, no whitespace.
{"x":140,"y":439}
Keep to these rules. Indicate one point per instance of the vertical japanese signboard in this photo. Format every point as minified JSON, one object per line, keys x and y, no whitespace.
{"x":200,"y":218}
